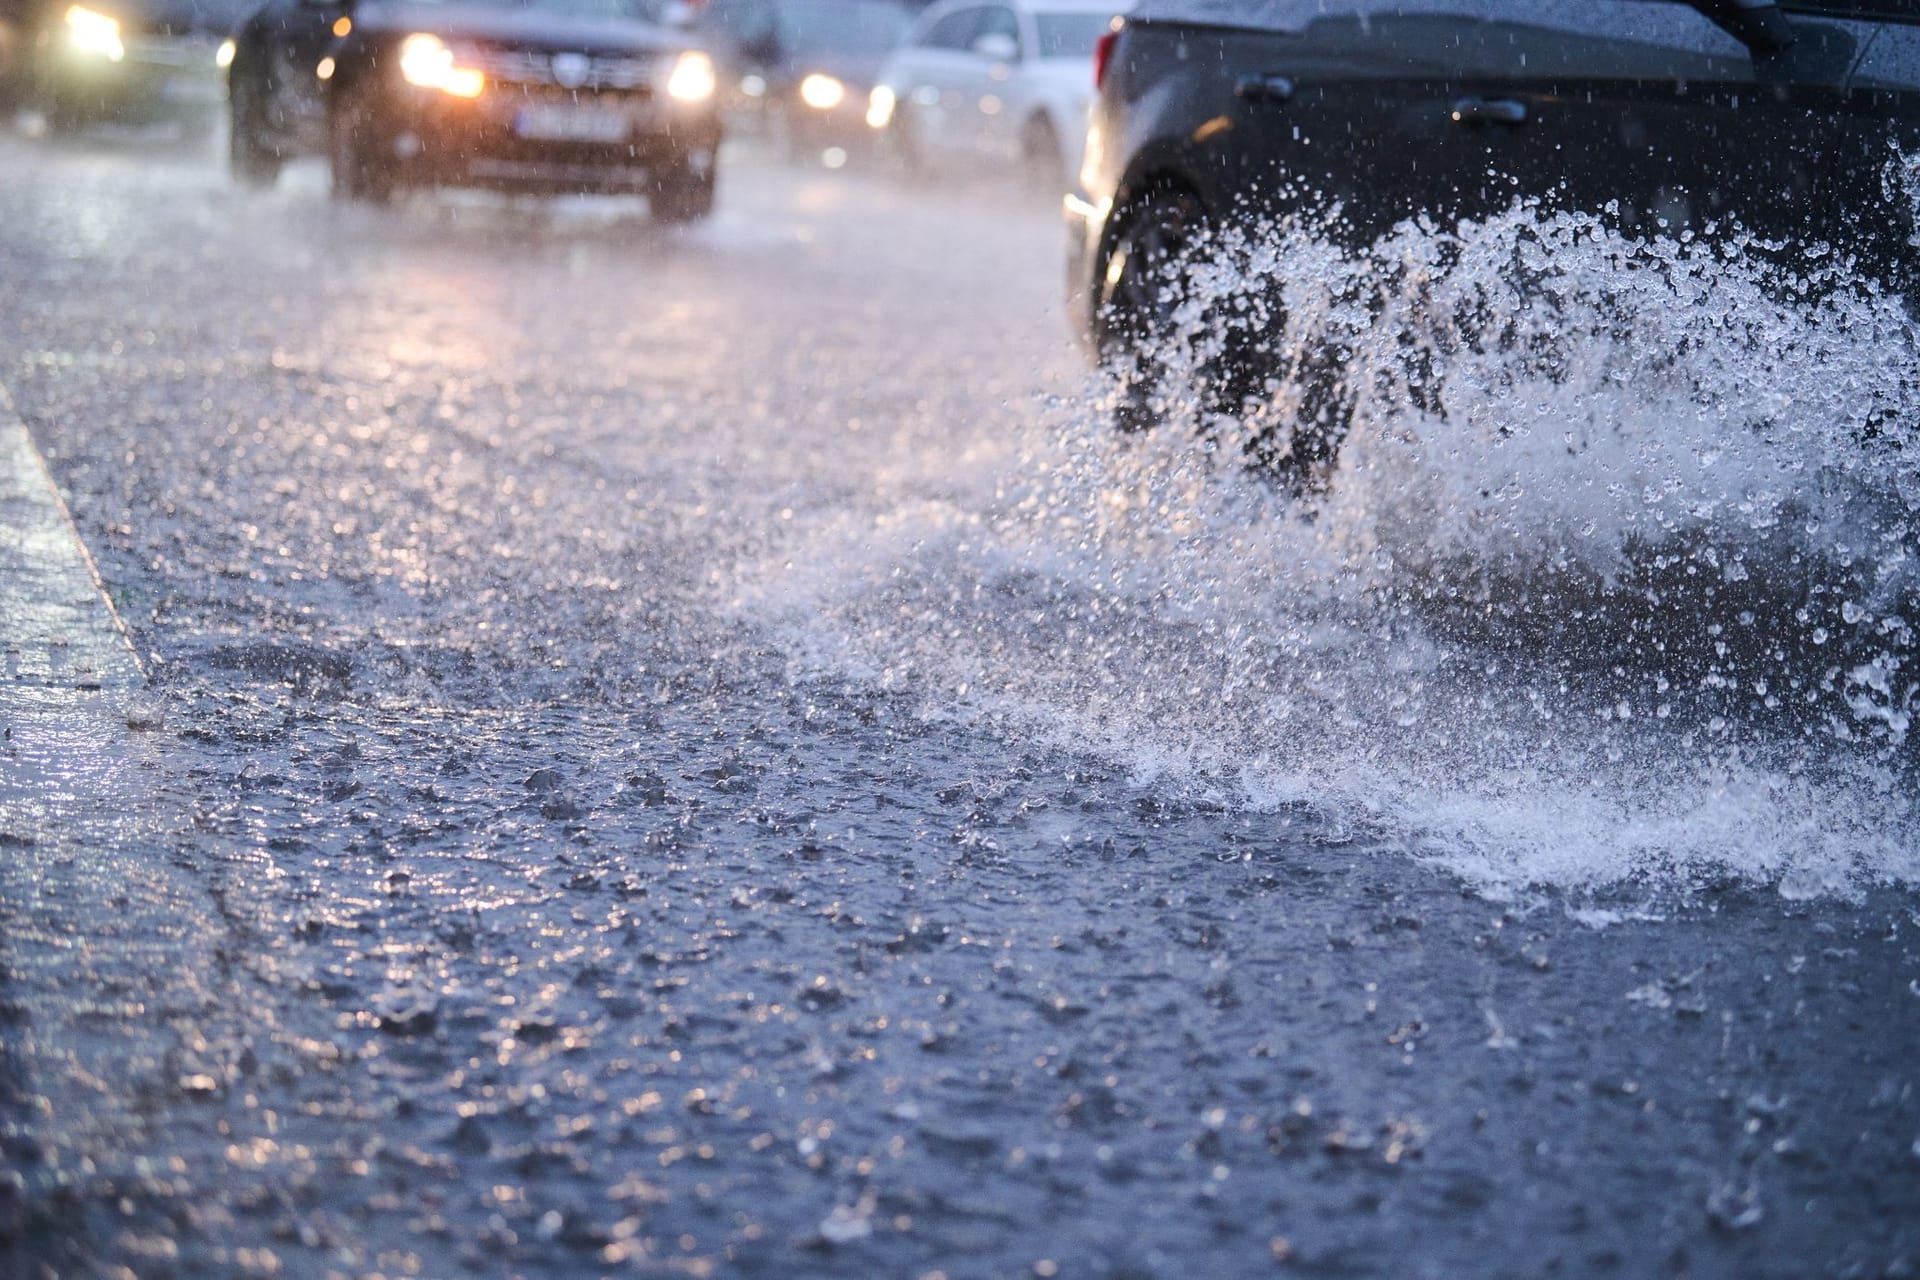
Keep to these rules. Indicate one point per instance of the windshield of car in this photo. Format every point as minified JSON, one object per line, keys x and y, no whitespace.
{"x":1069,"y":35}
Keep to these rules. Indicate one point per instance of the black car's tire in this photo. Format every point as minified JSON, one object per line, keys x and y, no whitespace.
{"x":354,"y":164}
{"x":1144,"y":281}
{"x":251,"y":158}
{"x":1040,"y":159}
{"x":681,"y":196}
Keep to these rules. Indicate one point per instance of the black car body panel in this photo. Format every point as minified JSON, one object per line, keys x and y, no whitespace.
{"x":1647,"y":112}
{"x":573,"y":101}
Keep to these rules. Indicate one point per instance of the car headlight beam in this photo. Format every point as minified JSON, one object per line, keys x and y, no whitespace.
{"x":426,"y":61}
{"x":822,"y":92}
{"x":692,"y":78}
{"x":94,"y":32}
{"x":880,"y":105}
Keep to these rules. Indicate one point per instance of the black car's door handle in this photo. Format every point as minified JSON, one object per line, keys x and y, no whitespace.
{"x":1489,"y":111}
{"x":1267,"y":88}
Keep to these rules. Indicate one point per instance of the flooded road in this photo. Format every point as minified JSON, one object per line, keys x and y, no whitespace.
{"x":701,"y":752}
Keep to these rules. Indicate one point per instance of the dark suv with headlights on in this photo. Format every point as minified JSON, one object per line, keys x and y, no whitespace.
{"x":537,"y":96}
{"x":1795,"y":125}
{"x":124,"y":61}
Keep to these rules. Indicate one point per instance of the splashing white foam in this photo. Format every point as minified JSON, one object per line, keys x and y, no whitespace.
{"x":1610,"y":580}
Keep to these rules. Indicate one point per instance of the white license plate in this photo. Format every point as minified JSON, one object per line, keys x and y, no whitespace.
{"x":572,"y":122}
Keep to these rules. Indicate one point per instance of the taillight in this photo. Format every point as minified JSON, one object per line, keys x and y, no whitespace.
{"x":1103,"y":54}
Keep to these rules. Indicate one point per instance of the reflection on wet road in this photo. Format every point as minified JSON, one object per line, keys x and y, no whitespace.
{"x":602,"y":856}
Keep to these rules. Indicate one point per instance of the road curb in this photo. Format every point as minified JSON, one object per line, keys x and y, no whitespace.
{"x":107,"y":945}
{"x":58,"y":626}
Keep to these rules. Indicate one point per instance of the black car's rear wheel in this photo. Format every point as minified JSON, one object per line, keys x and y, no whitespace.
{"x":1224,"y":350}
{"x":682,"y":195}
{"x":1144,"y":279}
{"x":358,"y":169}
{"x":1143,"y":283}
{"x":252,"y":159}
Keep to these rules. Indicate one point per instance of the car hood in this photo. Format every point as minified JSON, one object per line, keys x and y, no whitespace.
{"x":533,"y":28}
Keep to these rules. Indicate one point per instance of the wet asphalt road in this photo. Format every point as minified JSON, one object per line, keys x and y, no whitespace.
{"x":508,"y":889}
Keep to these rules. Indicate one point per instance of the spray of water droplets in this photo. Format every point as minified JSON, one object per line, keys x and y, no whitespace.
{"x":1610,"y":578}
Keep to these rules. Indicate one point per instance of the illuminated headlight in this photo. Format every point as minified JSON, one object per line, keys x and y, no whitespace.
{"x":95,"y":33}
{"x":692,"y":78}
{"x":426,"y":61}
{"x":880,"y":105}
{"x":223,"y":56}
{"x":822,"y":92}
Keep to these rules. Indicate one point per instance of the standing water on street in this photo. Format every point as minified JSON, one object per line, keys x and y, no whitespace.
{"x":718,"y":751}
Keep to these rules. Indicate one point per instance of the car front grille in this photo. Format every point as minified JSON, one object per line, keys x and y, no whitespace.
{"x":622,"y":72}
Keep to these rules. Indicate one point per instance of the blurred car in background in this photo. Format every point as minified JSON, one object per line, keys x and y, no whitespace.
{"x":536,"y":96}
{"x":1006,"y":86}
{"x":1795,"y":124}
{"x":131,"y":62}
{"x":801,"y":70}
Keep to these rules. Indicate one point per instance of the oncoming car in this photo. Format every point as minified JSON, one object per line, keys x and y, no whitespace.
{"x":995,"y":85}
{"x":132,"y":62}
{"x":539,"y":96}
{"x":802,"y":69}
{"x":1789,"y":124}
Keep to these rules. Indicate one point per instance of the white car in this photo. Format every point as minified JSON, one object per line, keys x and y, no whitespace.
{"x":1007,"y":84}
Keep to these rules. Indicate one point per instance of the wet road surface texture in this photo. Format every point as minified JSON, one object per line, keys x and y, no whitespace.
{"x":497,"y":886}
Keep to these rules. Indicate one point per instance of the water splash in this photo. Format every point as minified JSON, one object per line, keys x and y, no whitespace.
{"x":1611,"y":576}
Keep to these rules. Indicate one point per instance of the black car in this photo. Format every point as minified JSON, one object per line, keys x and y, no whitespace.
{"x":119,"y":61}
{"x":537,"y":96}
{"x":1661,"y":118}
{"x":802,"y":70}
